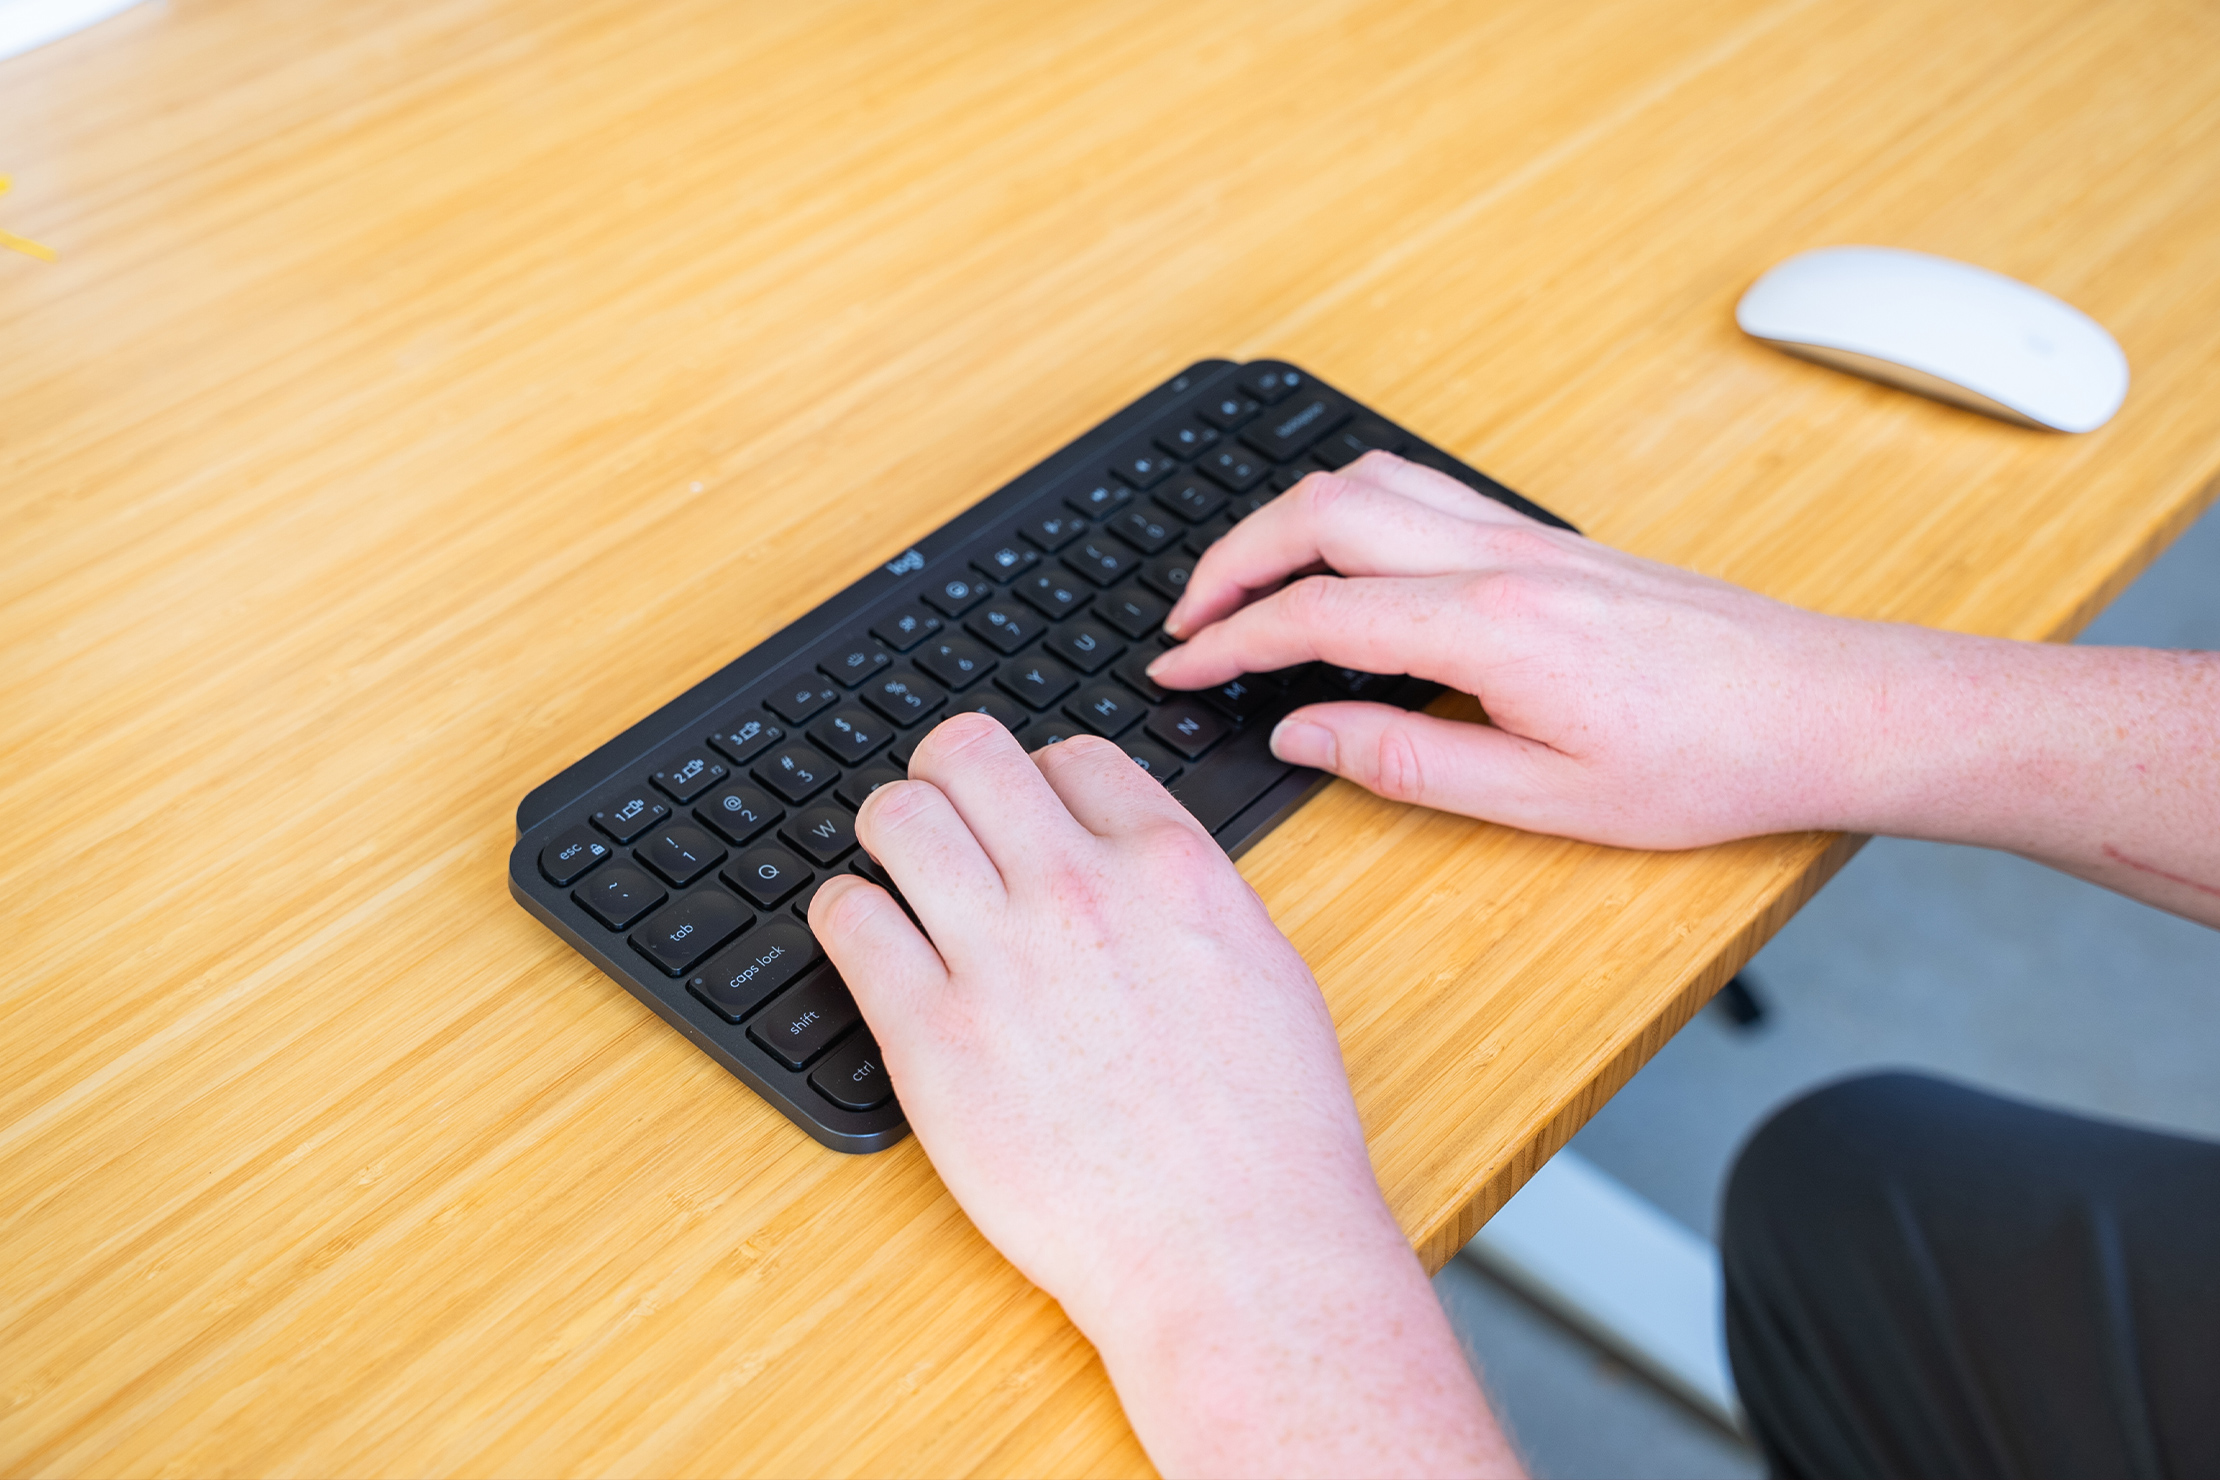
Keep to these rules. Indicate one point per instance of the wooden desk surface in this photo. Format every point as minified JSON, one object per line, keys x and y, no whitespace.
{"x":424,"y":392}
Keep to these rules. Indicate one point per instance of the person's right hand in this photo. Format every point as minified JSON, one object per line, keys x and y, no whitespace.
{"x":1631,"y":703}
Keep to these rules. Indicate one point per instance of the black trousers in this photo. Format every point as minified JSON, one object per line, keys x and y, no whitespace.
{"x":1923,"y":1280}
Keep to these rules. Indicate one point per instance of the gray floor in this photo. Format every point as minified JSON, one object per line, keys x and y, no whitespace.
{"x":1973,"y":964}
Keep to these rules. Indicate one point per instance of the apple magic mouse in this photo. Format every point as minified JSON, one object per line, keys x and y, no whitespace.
{"x":1942,"y":328}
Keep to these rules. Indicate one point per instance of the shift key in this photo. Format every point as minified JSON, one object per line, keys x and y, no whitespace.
{"x":803,"y":1024}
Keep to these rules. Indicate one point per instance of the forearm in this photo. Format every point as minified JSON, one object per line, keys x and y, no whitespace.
{"x":1325,"y":1355}
{"x":2103,"y":762}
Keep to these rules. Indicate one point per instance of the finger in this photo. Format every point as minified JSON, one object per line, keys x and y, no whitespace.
{"x":1431,"y":487}
{"x":1450,"y":765}
{"x":1352,"y":526}
{"x":925,"y":846}
{"x":889,"y":965}
{"x":1001,"y":795}
{"x":1378,"y":625}
{"x":1104,"y":789}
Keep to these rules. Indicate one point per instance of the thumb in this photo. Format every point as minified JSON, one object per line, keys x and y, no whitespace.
{"x":1449,"y":765}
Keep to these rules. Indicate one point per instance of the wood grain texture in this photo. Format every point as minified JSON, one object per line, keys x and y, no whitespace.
{"x":425,"y":392}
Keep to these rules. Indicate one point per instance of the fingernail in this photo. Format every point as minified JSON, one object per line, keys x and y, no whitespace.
{"x":1301,"y":743}
{"x":1154,"y":664}
{"x":1173,"y":625}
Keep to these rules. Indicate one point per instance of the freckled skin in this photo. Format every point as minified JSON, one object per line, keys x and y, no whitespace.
{"x":1126,"y":1075}
{"x":1637,"y":704}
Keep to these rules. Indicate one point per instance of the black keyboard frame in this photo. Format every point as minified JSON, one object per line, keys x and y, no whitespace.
{"x":743,"y":685}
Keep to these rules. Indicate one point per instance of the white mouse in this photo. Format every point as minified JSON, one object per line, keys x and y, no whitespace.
{"x":1944,"y":329}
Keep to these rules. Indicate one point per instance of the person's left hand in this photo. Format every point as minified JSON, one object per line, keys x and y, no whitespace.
{"x":1127,"y":1077}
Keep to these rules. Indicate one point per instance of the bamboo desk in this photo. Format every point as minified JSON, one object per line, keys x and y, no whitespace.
{"x":425,"y":392}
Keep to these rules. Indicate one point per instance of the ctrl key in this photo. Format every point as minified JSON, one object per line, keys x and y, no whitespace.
{"x":804,"y":1023}
{"x":854,"y":1078}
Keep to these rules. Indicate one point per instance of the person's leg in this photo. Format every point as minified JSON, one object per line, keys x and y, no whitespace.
{"x":1923,"y":1280}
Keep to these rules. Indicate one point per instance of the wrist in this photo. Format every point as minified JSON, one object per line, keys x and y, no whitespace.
{"x":1953,"y":738}
{"x":1315,"y":1345}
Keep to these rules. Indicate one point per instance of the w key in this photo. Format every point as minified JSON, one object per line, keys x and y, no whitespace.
{"x":824,"y":833}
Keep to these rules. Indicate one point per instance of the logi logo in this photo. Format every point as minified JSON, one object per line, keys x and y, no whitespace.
{"x":910,"y":561}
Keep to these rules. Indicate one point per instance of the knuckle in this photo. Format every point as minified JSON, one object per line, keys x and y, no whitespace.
{"x":1313,"y":598}
{"x":1398,"y":773}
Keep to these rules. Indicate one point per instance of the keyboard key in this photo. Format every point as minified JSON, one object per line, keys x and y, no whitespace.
{"x":957,"y":595}
{"x":618,"y":895}
{"x":1098,"y":500}
{"x":1006,"y":561}
{"x":1228,"y":409}
{"x":758,"y":965}
{"x":822,"y":833}
{"x":905,"y":698}
{"x":906,"y":628}
{"x":1283,"y":432}
{"x":1105,"y":562}
{"x":796,"y":772}
{"x":680,"y":852}
{"x":1283,"y":479}
{"x":1058,"y":729}
{"x":1167,"y":575}
{"x":1149,"y":530}
{"x":1135,"y":613}
{"x":850,"y":734}
{"x":1191,"y":498}
{"x":1134,"y":674}
{"x":627,"y":819}
{"x":955,"y":661}
{"x":1354,"y":683}
{"x":1053,"y":592}
{"x":767,"y":874}
{"x":1053,"y":531}
{"x":853,"y":1076}
{"x":1152,"y":758}
{"x":1106,"y":708}
{"x":1187,"y":727}
{"x":860,"y":784}
{"x":1236,"y":469}
{"x":1186,"y":438}
{"x":1143,"y":465}
{"x":1242,"y":505}
{"x":807,"y":1020}
{"x":852,"y":660}
{"x":1352,"y":442}
{"x":1239,"y":699}
{"x":802,"y":696}
{"x":1269,"y":383}
{"x":1038,"y":683}
{"x":996,"y":707}
{"x":1084,"y":644}
{"x":1224,"y":784}
{"x":688,"y":774}
{"x":572,"y":856}
{"x":744,"y":742}
{"x":1004,"y":625}
{"x":738,"y":813}
{"x":679,"y":936}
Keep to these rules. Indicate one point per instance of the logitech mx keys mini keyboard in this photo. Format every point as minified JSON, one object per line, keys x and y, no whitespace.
{"x":681,"y":857}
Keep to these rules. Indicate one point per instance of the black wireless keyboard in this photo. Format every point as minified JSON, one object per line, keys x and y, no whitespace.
{"x":680,"y":857}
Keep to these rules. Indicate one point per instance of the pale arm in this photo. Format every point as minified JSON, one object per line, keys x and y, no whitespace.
{"x":1637,"y":704}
